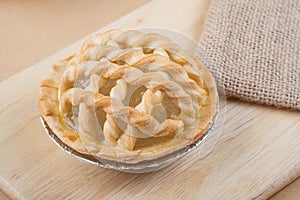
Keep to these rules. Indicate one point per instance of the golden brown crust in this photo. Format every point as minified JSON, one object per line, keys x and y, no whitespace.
{"x":54,"y":101}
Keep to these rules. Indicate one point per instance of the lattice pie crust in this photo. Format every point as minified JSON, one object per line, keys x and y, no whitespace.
{"x":128,"y":96}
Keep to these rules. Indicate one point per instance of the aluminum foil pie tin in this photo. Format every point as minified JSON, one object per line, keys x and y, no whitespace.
{"x":203,"y":146}
{"x":141,"y":167}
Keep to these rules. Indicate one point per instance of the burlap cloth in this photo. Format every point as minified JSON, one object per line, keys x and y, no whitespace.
{"x":253,"y":48}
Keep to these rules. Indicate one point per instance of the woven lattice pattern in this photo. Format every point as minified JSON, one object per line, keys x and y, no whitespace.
{"x":129,"y":96}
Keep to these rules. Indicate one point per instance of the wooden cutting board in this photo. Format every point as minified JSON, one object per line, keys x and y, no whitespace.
{"x":257,"y":155}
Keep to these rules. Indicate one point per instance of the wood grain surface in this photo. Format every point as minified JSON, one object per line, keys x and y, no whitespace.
{"x":257,"y":155}
{"x":3,"y":195}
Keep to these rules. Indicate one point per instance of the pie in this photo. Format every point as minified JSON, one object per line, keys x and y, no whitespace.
{"x":129,"y":96}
